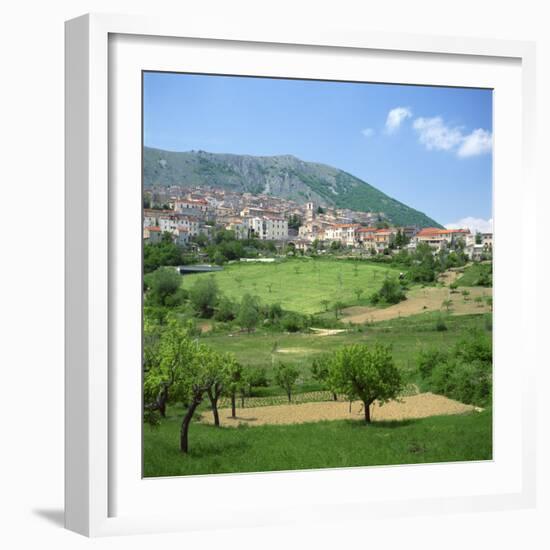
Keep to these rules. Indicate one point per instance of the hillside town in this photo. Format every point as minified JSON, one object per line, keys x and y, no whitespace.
{"x":185,"y":213}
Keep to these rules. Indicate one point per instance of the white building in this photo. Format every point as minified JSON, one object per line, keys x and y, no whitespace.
{"x":268,"y":228}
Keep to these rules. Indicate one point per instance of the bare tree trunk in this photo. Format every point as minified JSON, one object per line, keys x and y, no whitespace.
{"x":184,"y":433}
{"x":366,"y":406}
{"x":334,"y":397}
{"x":289,"y":397}
{"x":233,"y":406}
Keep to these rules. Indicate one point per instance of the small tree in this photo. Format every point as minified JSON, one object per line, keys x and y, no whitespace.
{"x":163,"y":287}
{"x":216,"y":376}
{"x":204,"y":296}
{"x":358,"y":293}
{"x":366,"y":373}
{"x":234,"y":380}
{"x":249,"y":313}
{"x":181,"y":367}
{"x":325,"y":304}
{"x":286,"y":376}
{"x":447,"y":304}
{"x":320,"y":373}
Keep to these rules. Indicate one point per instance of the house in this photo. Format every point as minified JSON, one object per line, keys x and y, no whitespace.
{"x":441,"y":238}
{"x":152,"y":234}
{"x":268,"y":228}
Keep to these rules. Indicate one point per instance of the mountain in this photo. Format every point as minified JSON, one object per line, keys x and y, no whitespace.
{"x":282,"y":176}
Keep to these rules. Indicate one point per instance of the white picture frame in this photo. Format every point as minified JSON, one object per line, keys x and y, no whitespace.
{"x":104,"y":495}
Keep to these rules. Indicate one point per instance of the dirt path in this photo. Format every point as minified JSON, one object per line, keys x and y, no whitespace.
{"x":415,"y":406}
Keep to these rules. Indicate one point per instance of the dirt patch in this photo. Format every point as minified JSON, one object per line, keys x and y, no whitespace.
{"x":293,"y":350}
{"x":415,"y":406}
{"x":327,"y":331}
{"x":420,"y":300}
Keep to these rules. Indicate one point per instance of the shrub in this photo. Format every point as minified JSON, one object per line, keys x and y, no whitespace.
{"x":204,"y":296}
{"x":440,"y":325}
{"x":390,"y":292}
{"x":427,"y":360}
{"x":292,"y":322}
{"x":226,"y":310}
{"x":256,"y":377}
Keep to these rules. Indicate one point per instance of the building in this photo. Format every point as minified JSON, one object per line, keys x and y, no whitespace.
{"x":171,"y":223}
{"x":268,"y":228}
{"x":342,"y":232}
{"x":152,"y":234}
{"x":192,"y":207}
{"x":440,"y":238}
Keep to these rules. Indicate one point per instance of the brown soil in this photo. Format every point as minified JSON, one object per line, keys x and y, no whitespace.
{"x":420,"y":300}
{"x":415,"y":406}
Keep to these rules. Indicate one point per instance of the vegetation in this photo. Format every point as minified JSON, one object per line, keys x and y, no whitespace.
{"x":478,"y":274}
{"x":318,"y":284}
{"x":463,"y":373}
{"x":285,"y":377}
{"x":343,"y":443}
{"x":364,"y":372}
{"x":391,"y":292}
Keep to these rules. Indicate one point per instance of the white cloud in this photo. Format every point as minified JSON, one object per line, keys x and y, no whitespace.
{"x":367,"y":132}
{"x":478,"y":142}
{"x":396,"y":117}
{"x":434,"y":134}
{"x":473,"y":224}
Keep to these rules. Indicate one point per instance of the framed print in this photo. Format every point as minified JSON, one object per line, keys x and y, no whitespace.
{"x":294,"y":276}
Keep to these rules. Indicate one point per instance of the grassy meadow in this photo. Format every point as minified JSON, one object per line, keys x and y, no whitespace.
{"x":406,"y":335}
{"x":312,"y":286}
{"x":327,"y":444}
{"x":300,"y":285}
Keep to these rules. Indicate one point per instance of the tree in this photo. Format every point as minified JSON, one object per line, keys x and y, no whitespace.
{"x":216,"y":376}
{"x":390,"y":292}
{"x":367,"y":373}
{"x":325,"y":303}
{"x":286,"y":376}
{"x":320,"y":373}
{"x":234,"y":381}
{"x":204,"y":296}
{"x":338,"y":306}
{"x":358,"y":292}
{"x":447,"y":304}
{"x":163,"y":286}
{"x":249,"y":312}
{"x":182,"y":367}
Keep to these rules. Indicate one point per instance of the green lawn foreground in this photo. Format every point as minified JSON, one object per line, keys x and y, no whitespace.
{"x":300,"y":285}
{"x":327,"y":444}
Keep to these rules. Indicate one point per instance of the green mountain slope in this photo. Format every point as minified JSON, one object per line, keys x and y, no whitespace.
{"x":282,"y":176}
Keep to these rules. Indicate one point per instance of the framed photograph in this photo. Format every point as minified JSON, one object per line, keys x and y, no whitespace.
{"x":294,"y":276}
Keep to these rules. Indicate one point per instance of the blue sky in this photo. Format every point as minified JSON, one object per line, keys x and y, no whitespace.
{"x":429,"y":147}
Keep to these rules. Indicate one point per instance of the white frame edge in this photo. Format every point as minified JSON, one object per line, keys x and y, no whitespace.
{"x":87,"y":244}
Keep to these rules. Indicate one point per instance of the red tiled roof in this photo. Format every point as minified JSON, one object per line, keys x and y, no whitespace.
{"x":431,"y":231}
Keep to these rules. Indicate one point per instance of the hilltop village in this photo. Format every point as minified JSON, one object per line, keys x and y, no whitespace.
{"x":186,"y":213}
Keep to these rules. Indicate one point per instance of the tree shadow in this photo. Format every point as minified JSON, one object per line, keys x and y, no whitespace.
{"x":377,"y":424}
{"x":54,"y":516}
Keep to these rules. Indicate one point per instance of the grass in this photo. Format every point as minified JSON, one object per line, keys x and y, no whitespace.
{"x":406,"y":335}
{"x":300,"y":285}
{"x":342,"y":443}
{"x":473,"y":273}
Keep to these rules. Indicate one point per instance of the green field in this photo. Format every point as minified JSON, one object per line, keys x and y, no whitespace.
{"x":300,"y":285}
{"x":342,"y":444}
{"x":407,"y":336}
